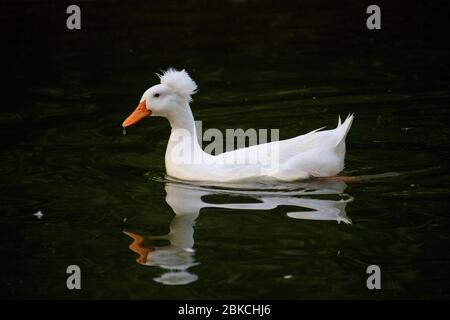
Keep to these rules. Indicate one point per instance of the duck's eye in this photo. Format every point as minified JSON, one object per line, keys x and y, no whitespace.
{"x":156,"y":95}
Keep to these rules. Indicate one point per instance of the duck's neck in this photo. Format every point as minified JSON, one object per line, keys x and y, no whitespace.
{"x":183,"y":136}
{"x":183,"y":119}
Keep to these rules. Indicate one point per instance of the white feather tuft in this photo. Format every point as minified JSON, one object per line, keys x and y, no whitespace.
{"x":180,"y":82}
{"x":342,"y":130}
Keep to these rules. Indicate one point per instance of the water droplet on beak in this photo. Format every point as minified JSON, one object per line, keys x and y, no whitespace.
{"x":124,"y":131}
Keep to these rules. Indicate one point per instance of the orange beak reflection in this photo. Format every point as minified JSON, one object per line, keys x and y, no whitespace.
{"x":140,"y":112}
{"x":137,"y":246}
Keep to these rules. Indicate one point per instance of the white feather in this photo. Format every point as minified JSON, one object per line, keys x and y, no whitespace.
{"x":179,"y":82}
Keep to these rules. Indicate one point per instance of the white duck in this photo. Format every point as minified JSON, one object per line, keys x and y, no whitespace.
{"x":313,"y":155}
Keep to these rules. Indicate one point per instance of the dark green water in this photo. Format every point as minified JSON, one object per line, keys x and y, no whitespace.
{"x":293,"y":66}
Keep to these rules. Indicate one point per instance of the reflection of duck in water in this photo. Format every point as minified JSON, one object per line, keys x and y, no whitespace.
{"x":186,"y":201}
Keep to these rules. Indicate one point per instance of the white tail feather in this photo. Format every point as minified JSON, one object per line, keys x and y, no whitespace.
{"x":342,"y":129}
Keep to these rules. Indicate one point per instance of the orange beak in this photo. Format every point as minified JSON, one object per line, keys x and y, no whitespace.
{"x":140,"y":112}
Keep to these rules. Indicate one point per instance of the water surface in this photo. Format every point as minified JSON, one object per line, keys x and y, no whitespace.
{"x":109,"y":208}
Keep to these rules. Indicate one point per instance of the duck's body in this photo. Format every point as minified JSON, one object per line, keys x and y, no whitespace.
{"x":315,"y":154}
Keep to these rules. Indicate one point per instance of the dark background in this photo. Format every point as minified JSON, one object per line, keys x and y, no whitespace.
{"x":293,"y":65}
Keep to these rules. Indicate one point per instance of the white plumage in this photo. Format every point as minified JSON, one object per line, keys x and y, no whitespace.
{"x":180,"y":83}
{"x":320,"y":153}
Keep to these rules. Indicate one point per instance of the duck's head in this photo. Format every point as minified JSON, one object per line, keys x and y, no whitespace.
{"x":166,"y":99}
